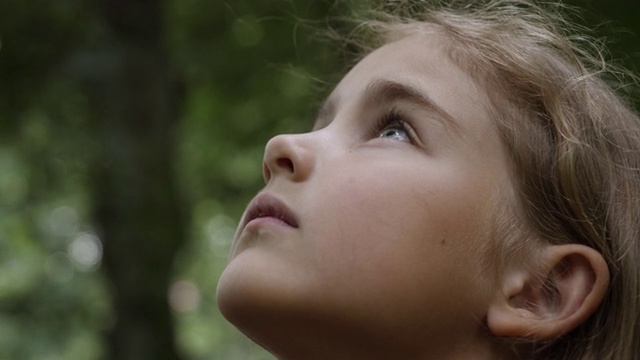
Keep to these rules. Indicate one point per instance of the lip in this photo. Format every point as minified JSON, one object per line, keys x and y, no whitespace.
{"x":271,"y":209}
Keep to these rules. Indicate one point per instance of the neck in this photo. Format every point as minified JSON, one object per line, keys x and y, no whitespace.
{"x":311,"y":341}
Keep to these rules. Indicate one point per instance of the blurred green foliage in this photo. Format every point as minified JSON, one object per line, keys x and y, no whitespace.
{"x":250,"y":69}
{"x":247,"y":67}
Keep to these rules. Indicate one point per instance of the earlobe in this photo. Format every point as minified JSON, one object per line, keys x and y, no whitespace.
{"x":559,"y":291}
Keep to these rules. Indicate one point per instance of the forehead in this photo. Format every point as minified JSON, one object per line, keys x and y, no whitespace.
{"x":421,"y":63}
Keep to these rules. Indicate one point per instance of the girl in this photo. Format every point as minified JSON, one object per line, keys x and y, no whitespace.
{"x":470,"y":190}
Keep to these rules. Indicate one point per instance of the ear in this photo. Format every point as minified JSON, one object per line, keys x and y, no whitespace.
{"x":560,"y":290}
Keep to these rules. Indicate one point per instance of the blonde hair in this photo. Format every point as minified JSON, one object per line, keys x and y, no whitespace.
{"x":573,"y":142}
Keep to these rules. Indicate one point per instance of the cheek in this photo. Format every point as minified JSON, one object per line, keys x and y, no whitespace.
{"x":387,"y":226}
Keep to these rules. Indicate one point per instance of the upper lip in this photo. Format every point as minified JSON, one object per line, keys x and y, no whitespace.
{"x":265,"y":205}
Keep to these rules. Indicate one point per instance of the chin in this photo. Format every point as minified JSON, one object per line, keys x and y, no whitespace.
{"x":240,"y":292}
{"x":252,"y":289}
{"x":282,"y":311}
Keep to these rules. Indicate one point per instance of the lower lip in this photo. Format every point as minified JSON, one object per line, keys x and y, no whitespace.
{"x":264,"y":222}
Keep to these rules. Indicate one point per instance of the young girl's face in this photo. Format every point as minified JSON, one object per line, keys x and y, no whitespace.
{"x":372,"y":226}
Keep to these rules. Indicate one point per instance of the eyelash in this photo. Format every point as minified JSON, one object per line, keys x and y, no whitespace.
{"x":394,"y":117}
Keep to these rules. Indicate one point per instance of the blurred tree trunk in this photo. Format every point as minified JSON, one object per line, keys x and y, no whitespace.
{"x":135,"y":101}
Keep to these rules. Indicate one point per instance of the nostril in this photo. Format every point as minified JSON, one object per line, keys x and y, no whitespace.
{"x":290,"y":156}
{"x":285,"y":163}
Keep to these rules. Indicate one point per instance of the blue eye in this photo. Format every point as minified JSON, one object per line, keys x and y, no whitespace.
{"x":396,"y":131}
{"x":393,"y":126}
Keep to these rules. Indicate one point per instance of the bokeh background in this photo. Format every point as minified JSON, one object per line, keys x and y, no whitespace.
{"x":131,"y":138}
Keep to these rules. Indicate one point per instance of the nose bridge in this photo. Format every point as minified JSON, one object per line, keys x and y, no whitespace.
{"x":289,"y":155}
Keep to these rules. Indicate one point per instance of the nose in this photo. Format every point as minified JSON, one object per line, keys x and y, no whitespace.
{"x":290,"y":156}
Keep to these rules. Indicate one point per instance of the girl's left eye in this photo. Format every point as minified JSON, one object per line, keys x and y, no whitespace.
{"x":392,"y":126}
{"x":396,"y":131}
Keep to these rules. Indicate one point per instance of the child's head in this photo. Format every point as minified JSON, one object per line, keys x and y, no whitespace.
{"x":470,"y":190}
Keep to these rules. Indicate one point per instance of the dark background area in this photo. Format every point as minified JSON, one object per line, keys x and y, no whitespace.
{"x":131,"y":138}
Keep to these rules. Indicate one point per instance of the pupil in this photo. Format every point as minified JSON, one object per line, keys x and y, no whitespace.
{"x":390,"y":132}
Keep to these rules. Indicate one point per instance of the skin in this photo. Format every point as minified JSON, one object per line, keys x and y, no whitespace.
{"x":387,"y":257}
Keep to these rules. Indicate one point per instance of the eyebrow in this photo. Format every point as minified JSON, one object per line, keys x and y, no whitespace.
{"x":382,"y":91}
{"x":386,"y":92}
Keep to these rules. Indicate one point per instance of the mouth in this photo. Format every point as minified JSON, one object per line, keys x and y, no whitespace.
{"x":265,"y":206}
